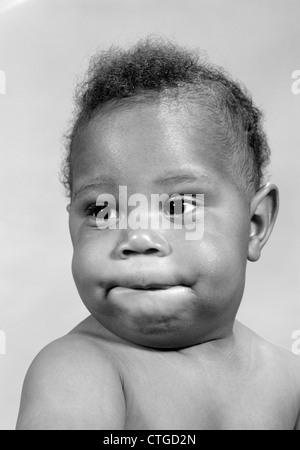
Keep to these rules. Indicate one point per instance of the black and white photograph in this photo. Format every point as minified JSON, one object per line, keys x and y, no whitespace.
{"x":150,"y":220}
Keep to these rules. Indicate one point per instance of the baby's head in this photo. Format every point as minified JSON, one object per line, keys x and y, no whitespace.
{"x":157,"y":120}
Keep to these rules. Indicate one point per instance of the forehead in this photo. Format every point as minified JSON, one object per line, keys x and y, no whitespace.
{"x":139,"y":141}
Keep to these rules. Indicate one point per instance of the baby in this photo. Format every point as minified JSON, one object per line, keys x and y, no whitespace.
{"x":161,"y":348}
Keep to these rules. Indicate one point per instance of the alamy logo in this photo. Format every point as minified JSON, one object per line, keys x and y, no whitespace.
{"x":296,"y":83}
{"x":180,"y":211}
{"x":2,"y":343}
{"x":2,"y":82}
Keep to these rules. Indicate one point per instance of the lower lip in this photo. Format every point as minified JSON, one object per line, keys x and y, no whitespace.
{"x":160,"y":297}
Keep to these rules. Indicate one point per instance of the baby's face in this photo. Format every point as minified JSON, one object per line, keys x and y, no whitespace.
{"x":153,"y":286}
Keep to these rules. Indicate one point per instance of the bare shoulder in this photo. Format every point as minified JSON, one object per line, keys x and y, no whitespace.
{"x":73,"y":383}
{"x":271,"y":356}
{"x":278,"y":368}
{"x":286,"y":369}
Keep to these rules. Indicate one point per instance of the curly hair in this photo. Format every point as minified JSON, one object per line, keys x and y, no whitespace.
{"x":154,"y":68}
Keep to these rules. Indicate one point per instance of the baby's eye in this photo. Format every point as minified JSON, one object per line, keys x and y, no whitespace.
{"x":99,"y":211}
{"x":179,"y":206}
{"x":183,"y":208}
{"x":103,"y":214}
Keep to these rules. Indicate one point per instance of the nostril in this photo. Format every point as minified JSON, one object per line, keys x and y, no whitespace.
{"x":137,"y":243}
{"x":149,"y":251}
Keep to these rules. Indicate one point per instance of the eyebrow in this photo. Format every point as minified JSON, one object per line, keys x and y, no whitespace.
{"x":176,"y":178}
{"x":98,"y":183}
{"x":184,"y":178}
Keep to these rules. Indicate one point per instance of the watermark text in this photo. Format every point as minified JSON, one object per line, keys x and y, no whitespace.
{"x":179,"y":212}
{"x":296,"y":343}
{"x":2,"y":343}
{"x":296,"y":83}
{"x":150,"y":439}
{"x":2,"y":82}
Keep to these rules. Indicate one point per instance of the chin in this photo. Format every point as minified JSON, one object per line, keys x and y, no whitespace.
{"x":160,"y":335}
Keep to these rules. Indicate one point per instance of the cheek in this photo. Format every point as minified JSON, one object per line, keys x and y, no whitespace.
{"x":89,"y":262}
{"x":217,"y":267}
{"x":218,"y":252}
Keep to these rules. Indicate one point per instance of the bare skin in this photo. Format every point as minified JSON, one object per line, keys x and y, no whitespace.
{"x":170,"y":358}
{"x":92,"y":379}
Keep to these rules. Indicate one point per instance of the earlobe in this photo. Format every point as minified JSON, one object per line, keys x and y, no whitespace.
{"x":68,"y":208}
{"x":264,"y":209}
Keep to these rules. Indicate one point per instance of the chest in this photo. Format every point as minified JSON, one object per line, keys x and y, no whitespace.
{"x":171,"y":397}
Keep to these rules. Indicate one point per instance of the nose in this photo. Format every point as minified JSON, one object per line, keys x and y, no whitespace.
{"x":144,"y":242}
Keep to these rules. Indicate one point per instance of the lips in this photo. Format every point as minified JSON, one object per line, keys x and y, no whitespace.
{"x":150,"y":286}
{"x":160,"y":290}
{"x":141,"y":303}
{"x":140,"y":287}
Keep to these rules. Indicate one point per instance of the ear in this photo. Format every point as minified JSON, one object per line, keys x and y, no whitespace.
{"x":68,"y":208}
{"x":264,"y":209}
